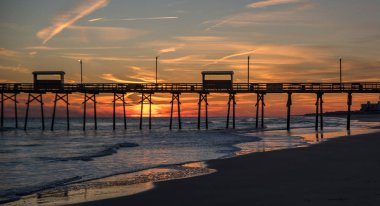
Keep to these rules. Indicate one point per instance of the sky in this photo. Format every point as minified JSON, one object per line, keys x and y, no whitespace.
{"x":118,"y":40}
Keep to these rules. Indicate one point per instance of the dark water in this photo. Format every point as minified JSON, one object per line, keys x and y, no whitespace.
{"x":33,"y":160}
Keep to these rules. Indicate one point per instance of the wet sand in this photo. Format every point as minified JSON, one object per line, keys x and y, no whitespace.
{"x":341,"y":171}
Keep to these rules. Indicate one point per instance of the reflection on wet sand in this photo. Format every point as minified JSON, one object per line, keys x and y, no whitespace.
{"x":114,"y":186}
{"x":276,"y":140}
{"x":320,"y":136}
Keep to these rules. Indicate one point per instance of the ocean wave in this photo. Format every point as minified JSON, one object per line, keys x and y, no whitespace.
{"x":13,"y":195}
{"x":106,"y":152}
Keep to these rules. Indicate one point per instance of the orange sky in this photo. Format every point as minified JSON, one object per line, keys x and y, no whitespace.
{"x":288,"y":41}
{"x":275,"y":105}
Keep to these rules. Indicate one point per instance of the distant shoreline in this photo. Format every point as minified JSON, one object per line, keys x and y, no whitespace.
{"x":355,"y":115}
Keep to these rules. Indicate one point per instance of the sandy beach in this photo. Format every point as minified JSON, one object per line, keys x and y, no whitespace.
{"x":342,"y":171}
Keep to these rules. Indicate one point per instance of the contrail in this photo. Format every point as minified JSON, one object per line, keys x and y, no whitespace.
{"x":230,"y":56}
{"x":135,"y":19}
{"x":70,"y":17}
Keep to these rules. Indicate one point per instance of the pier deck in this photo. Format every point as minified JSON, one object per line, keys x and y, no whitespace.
{"x":356,"y":87}
{"x":9,"y":91}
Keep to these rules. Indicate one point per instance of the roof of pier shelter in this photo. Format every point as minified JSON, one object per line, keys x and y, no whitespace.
{"x":48,"y":73}
{"x":217,"y":73}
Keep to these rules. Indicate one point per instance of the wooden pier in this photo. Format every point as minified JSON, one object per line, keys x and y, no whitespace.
{"x":10,"y":91}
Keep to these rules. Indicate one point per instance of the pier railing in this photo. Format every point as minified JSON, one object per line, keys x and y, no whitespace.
{"x":359,"y":87}
{"x":9,"y":91}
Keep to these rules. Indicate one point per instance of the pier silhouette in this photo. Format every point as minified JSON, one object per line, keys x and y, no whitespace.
{"x":62,"y":90}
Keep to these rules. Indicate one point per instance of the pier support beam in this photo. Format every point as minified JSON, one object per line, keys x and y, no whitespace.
{"x":2,"y":110}
{"x":89,"y":97}
{"x":35,"y":97}
{"x":349,"y":103}
{"x":13,"y":98}
{"x":148,"y":98}
{"x":202,"y":97}
{"x":175,"y":97}
{"x":231,"y":98}
{"x":65,"y":98}
{"x":288,"y":105}
{"x":260,"y":99}
{"x":319,"y":110}
{"x":119,"y":97}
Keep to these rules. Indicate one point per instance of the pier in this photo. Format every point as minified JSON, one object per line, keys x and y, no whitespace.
{"x":10,"y":91}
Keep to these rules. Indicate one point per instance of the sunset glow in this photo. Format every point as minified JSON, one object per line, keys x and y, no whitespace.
{"x":288,"y":41}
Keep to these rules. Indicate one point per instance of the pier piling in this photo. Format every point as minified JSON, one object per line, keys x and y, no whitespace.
{"x":319,"y":110}
{"x":288,"y":105}
{"x":38,"y":98}
{"x":257,"y":111}
{"x":231,"y":98}
{"x":12,"y":97}
{"x":316,"y":113}
{"x":175,"y":97}
{"x":89,"y":97}
{"x":262,"y":110}
{"x":148,"y":97}
{"x":65,"y":98}
{"x":349,"y":103}
{"x":2,"y":110}
{"x":260,"y":99}
{"x":202,"y":97}
{"x":119,"y":97}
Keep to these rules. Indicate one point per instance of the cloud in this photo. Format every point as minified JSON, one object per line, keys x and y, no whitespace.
{"x":285,"y":15}
{"x":89,"y":57}
{"x":267,"y":3}
{"x":188,"y":58}
{"x":62,"y":21}
{"x":7,"y":53}
{"x":230,"y":56}
{"x":136,"y":68}
{"x":135,"y":19}
{"x":135,"y":78}
{"x":200,"y":38}
{"x":19,"y":68}
{"x":46,"y":48}
{"x":33,"y":53}
{"x":167,"y":50}
{"x":97,"y":19}
{"x":104,"y":34}
{"x":111,"y":77}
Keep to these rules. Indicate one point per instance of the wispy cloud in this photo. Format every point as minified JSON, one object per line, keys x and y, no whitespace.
{"x":189,"y":58}
{"x":286,"y":15}
{"x":109,"y":34}
{"x":19,"y":68}
{"x":135,"y":19}
{"x":111,"y":77}
{"x":167,"y":50}
{"x":230,"y":56}
{"x":46,"y":48}
{"x":88,"y":57}
{"x":200,"y":38}
{"x":7,"y":53}
{"x":133,"y":78}
{"x":135,"y":68}
{"x":267,"y":3}
{"x":96,"y":19}
{"x":70,"y":17}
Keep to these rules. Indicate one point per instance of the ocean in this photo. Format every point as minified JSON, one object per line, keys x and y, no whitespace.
{"x":35,"y":160}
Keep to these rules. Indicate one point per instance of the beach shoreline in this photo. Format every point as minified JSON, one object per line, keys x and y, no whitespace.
{"x":125,"y":184}
{"x":339,"y":171}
